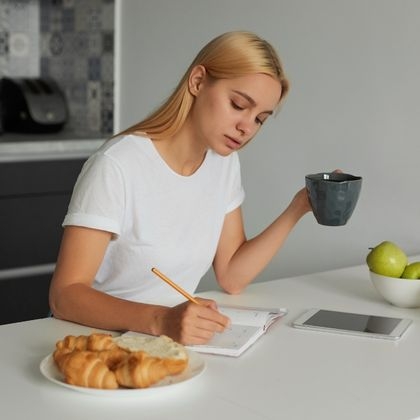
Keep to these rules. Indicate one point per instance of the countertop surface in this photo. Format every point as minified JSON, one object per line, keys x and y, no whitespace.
{"x":20,"y":147}
{"x":287,"y":374}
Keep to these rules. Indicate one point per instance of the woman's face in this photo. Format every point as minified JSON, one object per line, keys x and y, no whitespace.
{"x":227,"y":113}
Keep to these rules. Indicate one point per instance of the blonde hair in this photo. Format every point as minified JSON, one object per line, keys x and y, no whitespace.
{"x":230,"y":55}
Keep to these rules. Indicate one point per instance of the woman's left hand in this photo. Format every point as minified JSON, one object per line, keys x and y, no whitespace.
{"x":300,"y":202}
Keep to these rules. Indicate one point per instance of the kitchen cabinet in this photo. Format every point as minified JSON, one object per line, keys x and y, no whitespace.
{"x":34,"y":196}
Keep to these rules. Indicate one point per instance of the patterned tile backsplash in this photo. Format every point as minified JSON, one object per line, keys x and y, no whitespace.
{"x":71,"y":41}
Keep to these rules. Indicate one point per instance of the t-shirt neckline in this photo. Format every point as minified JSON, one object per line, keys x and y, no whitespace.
{"x":168,"y":168}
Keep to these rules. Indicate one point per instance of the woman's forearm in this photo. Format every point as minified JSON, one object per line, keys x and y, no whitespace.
{"x":254,"y":254}
{"x":84,"y":305}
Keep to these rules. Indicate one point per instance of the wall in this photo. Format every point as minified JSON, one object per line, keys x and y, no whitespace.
{"x":354,"y":104}
{"x":71,"y":41}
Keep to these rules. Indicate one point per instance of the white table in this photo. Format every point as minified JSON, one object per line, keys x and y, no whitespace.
{"x":288,"y":374}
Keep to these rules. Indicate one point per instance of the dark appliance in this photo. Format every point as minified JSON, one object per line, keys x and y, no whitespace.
{"x":32,"y":105}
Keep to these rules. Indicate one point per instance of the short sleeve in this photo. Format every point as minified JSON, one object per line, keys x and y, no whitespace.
{"x":98,"y":197}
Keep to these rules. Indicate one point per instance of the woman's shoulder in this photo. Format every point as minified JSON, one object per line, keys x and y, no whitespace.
{"x":124,"y":145}
{"x":125,"y":140}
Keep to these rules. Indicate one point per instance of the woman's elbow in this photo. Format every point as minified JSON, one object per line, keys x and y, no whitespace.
{"x":55,"y":303}
{"x":231,"y":288}
{"x":233,"y":291}
{"x":54,"y":307}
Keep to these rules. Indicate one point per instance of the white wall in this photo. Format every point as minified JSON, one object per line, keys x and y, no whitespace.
{"x":354,"y":66}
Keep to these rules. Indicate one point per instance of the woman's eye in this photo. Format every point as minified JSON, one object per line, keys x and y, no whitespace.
{"x":236,"y":106}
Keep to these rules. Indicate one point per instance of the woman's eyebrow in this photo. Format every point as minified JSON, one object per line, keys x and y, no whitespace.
{"x":250,"y":100}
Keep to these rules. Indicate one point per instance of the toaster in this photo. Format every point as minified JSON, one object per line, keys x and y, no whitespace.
{"x":32,"y":105}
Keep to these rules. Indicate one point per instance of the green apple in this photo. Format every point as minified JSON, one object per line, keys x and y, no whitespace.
{"x":387,"y":259}
{"x":411,"y":271}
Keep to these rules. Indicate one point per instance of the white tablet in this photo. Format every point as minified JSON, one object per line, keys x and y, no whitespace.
{"x":353,"y":323}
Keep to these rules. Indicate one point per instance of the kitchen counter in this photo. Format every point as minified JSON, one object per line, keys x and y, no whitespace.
{"x":20,"y":147}
{"x":288,"y":374}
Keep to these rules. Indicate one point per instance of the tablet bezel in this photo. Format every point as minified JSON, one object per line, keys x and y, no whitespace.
{"x":395,"y":334}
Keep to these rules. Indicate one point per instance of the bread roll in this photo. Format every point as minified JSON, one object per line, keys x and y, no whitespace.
{"x":175,"y":355}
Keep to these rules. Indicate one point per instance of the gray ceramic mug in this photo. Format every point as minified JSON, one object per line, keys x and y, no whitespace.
{"x":333,"y":196}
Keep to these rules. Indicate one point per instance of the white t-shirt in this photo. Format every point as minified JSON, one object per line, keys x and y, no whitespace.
{"x":158,"y":218}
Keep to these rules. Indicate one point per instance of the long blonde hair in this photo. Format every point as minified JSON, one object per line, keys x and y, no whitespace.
{"x":230,"y":55}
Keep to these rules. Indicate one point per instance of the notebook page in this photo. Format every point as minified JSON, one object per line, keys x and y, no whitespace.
{"x":257,"y":317}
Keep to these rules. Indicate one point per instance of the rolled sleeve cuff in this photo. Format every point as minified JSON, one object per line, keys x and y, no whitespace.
{"x":93,"y":222}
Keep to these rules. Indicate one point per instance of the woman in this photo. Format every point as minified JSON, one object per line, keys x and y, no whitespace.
{"x":166,"y":193}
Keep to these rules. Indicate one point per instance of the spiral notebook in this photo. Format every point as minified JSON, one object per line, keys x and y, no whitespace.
{"x":248,"y":324}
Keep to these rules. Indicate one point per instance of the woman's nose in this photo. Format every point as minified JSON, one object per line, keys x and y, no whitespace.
{"x":244,"y":126}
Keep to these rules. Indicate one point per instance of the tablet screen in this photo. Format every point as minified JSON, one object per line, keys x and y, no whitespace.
{"x":353,"y":322}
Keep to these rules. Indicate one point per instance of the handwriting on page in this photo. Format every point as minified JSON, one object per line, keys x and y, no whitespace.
{"x":234,"y":337}
{"x":247,"y":325}
{"x":245,"y":317}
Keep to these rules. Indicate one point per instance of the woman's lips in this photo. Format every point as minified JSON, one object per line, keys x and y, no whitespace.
{"x":233,"y":143}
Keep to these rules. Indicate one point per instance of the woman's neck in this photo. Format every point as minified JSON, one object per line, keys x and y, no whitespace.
{"x":183,"y":153}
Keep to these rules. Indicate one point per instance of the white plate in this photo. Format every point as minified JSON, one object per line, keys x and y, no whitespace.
{"x":196,"y":366}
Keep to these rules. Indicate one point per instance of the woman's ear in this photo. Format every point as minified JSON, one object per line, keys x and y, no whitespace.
{"x":196,"y":79}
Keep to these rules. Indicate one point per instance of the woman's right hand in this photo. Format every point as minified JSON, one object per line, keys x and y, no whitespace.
{"x":189,"y":323}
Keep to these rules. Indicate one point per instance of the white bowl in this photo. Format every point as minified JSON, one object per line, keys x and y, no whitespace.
{"x":404,"y":293}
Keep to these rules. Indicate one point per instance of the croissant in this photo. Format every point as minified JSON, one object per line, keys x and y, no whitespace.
{"x":94,"y":342}
{"x":175,"y":366}
{"x":85,"y":368}
{"x":100,"y":361}
{"x":70,"y":343}
{"x":139,"y":370}
{"x":113,"y":357}
{"x":100,"y":342}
